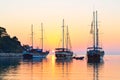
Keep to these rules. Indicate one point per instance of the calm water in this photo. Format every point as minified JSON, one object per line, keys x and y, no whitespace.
{"x":52,"y":69}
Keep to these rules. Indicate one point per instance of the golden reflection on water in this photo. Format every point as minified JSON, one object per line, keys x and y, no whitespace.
{"x":53,"y":69}
{"x":94,"y":68}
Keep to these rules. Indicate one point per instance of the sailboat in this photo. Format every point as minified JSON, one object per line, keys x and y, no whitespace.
{"x":64,"y":53}
{"x":35,"y":52}
{"x":27,"y":53}
{"x":95,"y":53}
{"x":40,"y":52}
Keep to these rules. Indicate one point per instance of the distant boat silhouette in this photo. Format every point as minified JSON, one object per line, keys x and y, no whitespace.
{"x":78,"y":58}
{"x":95,"y":53}
{"x":35,"y":53}
{"x":64,"y":53}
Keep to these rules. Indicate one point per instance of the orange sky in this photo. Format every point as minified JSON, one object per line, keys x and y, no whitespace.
{"x":17,"y":17}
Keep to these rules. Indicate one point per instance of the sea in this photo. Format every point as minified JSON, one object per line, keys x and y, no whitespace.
{"x":15,"y":68}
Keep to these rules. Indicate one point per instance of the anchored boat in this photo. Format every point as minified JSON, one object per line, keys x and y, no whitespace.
{"x":95,"y":53}
{"x":64,"y":53}
{"x":35,"y":53}
{"x":40,"y":52}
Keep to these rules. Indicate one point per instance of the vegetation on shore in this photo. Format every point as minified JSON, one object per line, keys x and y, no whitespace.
{"x":9,"y":44}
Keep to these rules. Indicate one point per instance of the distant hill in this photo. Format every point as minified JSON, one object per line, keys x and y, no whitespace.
{"x":8,"y":44}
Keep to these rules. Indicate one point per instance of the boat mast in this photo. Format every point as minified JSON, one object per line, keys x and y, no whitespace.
{"x":63,"y":35}
{"x":94,"y":30}
{"x":67,"y":38}
{"x":42,"y":36}
{"x":68,"y":41}
{"x":97,"y":36}
{"x":32,"y":35}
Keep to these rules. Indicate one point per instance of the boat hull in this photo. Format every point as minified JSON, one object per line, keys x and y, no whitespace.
{"x":95,"y":55}
{"x":64,"y":55}
{"x":40,"y":55}
{"x":30,"y":55}
{"x":27,"y":56}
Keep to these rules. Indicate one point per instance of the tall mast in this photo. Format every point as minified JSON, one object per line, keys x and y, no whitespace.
{"x":97,"y":36}
{"x":94,"y":30}
{"x":42,"y":36}
{"x":63,"y":35}
{"x":32,"y":35}
{"x":67,"y":38}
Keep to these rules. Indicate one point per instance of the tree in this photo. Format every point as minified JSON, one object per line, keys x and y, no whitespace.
{"x":8,"y":44}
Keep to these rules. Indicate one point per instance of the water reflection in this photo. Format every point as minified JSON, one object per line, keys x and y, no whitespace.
{"x":34,"y":60}
{"x":95,"y":68}
{"x":63,"y":61}
{"x":63,"y":69}
{"x":7,"y":64}
{"x":32,"y":69}
{"x":55,"y":69}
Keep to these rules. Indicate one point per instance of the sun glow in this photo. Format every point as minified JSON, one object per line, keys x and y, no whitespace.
{"x":18,"y":16}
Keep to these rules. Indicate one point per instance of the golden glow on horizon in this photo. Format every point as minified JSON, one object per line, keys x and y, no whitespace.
{"x":18,"y":16}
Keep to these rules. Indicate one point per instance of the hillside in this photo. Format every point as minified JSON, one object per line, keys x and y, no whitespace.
{"x":8,"y":44}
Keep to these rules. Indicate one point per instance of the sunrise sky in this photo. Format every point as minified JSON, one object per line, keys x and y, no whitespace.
{"x":18,"y":15}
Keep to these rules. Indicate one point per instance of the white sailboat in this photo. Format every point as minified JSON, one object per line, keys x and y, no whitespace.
{"x":95,"y":53}
{"x":64,"y":52}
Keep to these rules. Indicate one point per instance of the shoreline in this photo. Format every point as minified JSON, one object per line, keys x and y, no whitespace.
{"x":10,"y":54}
